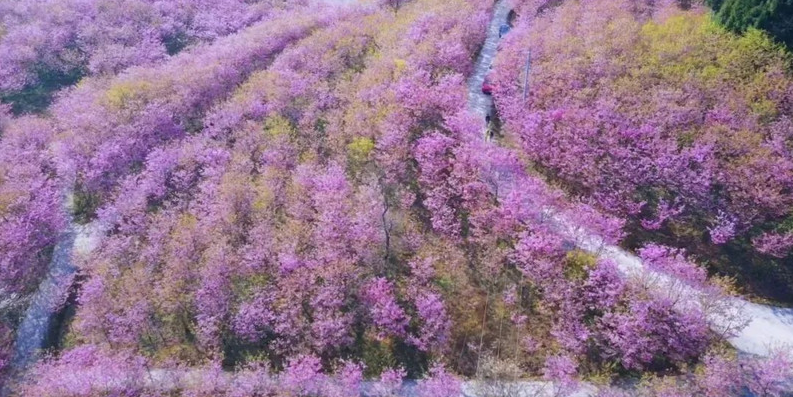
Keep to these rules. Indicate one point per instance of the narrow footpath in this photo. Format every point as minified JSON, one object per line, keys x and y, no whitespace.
{"x":478,"y":102}
{"x":53,"y":290}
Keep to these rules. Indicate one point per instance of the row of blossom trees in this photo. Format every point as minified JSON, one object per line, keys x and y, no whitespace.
{"x":48,"y":45}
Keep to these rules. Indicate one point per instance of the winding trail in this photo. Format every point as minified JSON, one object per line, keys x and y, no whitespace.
{"x":33,"y":330}
{"x":53,"y":290}
{"x":478,"y":102}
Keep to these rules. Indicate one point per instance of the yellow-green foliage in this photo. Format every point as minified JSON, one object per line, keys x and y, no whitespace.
{"x":692,"y":46}
{"x":677,"y":47}
{"x":360,"y":148}
{"x":124,"y":93}
{"x":264,"y":196}
{"x":277,"y":125}
{"x":578,"y":264}
{"x":688,"y":51}
{"x":399,"y":66}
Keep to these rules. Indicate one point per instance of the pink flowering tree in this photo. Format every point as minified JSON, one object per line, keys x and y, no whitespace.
{"x":653,"y":333}
{"x":31,"y":212}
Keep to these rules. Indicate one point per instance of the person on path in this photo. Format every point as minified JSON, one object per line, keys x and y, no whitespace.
{"x":489,"y":133}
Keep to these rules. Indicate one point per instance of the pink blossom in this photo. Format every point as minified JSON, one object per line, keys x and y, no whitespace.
{"x":435,"y":323}
{"x":723,"y":230}
{"x":561,"y":369}
{"x":774,"y":244}
{"x":672,"y":262}
{"x":385,"y":311}
{"x":440,"y":383}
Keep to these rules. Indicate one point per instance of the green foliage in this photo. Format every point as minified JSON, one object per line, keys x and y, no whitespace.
{"x":277,"y":126}
{"x":578,"y":264}
{"x":358,"y":153}
{"x":360,"y":148}
{"x":773,"y":16}
{"x":446,"y":284}
{"x":85,"y":205}
{"x":35,"y":98}
{"x":377,"y":356}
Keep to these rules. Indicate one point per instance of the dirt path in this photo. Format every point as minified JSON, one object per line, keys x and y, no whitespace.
{"x":478,"y":102}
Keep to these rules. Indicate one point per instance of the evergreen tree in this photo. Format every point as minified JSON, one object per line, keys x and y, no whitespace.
{"x":774,"y":16}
